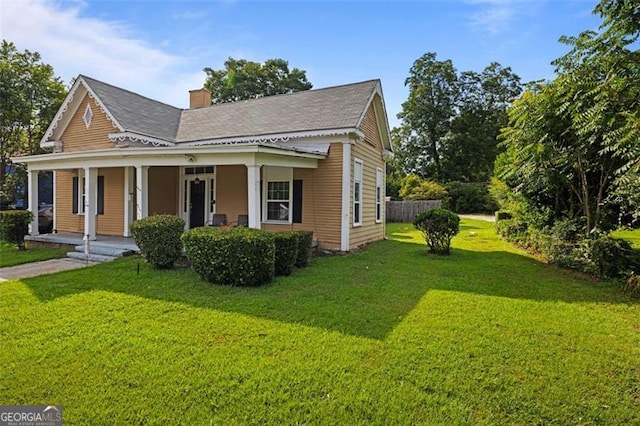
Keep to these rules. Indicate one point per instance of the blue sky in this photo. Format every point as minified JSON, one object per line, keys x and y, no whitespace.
{"x":159,"y":48}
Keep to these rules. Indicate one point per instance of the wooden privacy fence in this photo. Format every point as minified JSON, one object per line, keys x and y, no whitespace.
{"x":406,"y":211}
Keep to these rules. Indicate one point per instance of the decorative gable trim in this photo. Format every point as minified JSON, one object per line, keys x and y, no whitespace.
{"x":380,"y":112}
{"x":80,"y":82}
{"x":277,"y":138}
{"x":135,"y":137}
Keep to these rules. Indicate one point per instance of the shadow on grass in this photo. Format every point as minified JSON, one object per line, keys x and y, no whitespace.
{"x":366,"y":293}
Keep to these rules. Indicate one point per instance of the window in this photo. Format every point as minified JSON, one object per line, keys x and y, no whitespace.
{"x":357,"y":192}
{"x":88,"y":114}
{"x":278,"y":201}
{"x":198,"y":170}
{"x":379,"y":195}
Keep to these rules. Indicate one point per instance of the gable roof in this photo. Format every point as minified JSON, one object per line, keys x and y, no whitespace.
{"x":327,"y":111}
{"x":136,"y":113}
{"x":330,"y":108}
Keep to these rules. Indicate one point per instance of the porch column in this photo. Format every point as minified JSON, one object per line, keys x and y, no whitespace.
{"x":55,"y":203}
{"x":32,"y":182}
{"x":128,"y":198}
{"x":142,"y":191}
{"x":253,"y":193}
{"x":90,"y":201}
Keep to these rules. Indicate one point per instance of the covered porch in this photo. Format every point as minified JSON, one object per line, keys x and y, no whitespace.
{"x":98,"y":194}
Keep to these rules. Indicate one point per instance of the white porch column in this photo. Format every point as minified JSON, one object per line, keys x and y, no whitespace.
{"x":142,"y":191}
{"x":346,"y":196}
{"x":128,"y":199}
{"x":253,"y":193}
{"x":55,"y":203}
{"x":32,"y":182}
{"x":90,"y":201}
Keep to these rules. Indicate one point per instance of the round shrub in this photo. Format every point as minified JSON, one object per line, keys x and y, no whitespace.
{"x":305,"y":248}
{"x":234,"y":256}
{"x":158,"y":238}
{"x":438,"y":227}
{"x":14,"y":226}
{"x":286,"y":252}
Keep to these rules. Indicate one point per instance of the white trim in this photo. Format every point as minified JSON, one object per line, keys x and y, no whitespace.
{"x":346,"y":191}
{"x":275,"y":137}
{"x":32,"y":185}
{"x":88,"y":115}
{"x":81,"y":192}
{"x":128,"y":201}
{"x":185,"y":196}
{"x":376,"y":90}
{"x":357,"y":161}
{"x":90,"y":203}
{"x":55,"y":204}
{"x":137,"y":137}
{"x":65,"y":106}
{"x":142,"y":191}
{"x":380,"y":201}
{"x":253,"y":195}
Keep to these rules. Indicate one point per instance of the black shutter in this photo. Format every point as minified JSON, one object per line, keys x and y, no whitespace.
{"x":74,"y":205}
{"x":297,"y":201}
{"x":261,"y":201}
{"x":100,"y":195}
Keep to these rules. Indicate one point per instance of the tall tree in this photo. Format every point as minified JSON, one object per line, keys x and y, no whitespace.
{"x":426,"y":115}
{"x":241,"y":79}
{"x":30,"y":95}
{"x":450,"y":121}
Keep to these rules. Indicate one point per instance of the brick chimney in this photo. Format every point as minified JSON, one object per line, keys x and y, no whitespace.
{"x":199,"y":98}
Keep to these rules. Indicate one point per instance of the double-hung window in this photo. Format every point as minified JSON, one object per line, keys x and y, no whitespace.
{"x":277,"y":194}
{"x":357,"y":192}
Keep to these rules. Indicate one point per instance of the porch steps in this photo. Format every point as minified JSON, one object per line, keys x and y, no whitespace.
{"x":98,"y":253}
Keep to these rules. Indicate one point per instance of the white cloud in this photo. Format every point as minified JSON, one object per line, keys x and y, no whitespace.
{"x":494,"y":16}
{"x":105,"y":50}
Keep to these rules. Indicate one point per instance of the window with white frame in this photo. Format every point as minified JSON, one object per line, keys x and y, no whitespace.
{"x":379,"y":178}
{"x":277,"y":194}
{"x":88,"y":115}
{"x":357,"y":192}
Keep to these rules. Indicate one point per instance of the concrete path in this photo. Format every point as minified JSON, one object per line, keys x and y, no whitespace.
{"x":44,"y":267}
{"x":485,"y":217}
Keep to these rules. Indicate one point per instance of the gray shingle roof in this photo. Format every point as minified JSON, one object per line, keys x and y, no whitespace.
{"x":137,"y":113}
{"x":320,"y":109}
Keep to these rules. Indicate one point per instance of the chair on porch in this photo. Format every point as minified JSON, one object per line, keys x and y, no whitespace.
{"x":243,"y":220}
{"x":219,"y":219}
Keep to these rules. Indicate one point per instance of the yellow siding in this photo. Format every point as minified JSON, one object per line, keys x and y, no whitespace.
{"x":112,"y":221}
{"x":66,"y":220}
{"x":321,"y":200}
{"x":77,"y":137}
{"x":163,"y":190}
{"x":370,"y":152}
{"x":109,"y":223}
{"x":231,"y":191}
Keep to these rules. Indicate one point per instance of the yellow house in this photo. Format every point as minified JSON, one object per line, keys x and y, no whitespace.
{"x":312,"y":160}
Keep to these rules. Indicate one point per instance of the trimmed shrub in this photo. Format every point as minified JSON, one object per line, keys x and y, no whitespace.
{"x":305,"y":248}
{"x":468,"y":197}
{"x":158,"y":238}
{"x":286,"y":245}
{"x":233,"y":256}
{"x":438,"y":227}
{"x":14,"y":226}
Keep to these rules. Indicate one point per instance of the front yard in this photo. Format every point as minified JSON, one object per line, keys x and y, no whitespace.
{"x":11,"y":256}
{"x":387,"y":335}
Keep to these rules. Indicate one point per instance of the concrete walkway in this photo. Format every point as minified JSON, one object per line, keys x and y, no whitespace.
{"x":44,"y":267}
{"x":485,"y":217}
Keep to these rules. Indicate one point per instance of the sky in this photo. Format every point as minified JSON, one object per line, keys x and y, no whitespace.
{"x":159,"y":48}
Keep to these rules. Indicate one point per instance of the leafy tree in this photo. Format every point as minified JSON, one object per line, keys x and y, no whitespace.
{"x":573,"y":145}
{"x":426,"y":115}
{"x":30,"y":95}
{"x":451,"y":120}
{"x":241,"y":79}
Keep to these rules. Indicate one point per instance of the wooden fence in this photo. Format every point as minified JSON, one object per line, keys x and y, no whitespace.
{"x":405,"y":211}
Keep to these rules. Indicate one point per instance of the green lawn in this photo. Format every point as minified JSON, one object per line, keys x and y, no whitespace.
{"x":387,"y":335}
{"x":11,"y":256}
{"x":631,"y":235}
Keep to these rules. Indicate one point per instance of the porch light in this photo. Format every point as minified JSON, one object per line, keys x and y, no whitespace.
{"x":197,"y":181}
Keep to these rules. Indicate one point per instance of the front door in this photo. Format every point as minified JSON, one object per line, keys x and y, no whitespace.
{"x":196,"y":203}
